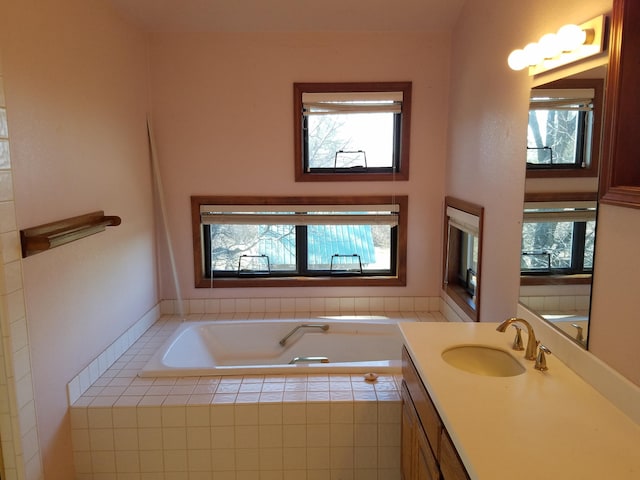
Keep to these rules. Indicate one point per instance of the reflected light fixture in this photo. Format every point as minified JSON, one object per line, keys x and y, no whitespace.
{"x":569,"y":44}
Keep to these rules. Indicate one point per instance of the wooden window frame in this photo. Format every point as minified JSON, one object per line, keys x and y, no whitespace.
{"x":399,"y":279}
{"x":402,"y":172}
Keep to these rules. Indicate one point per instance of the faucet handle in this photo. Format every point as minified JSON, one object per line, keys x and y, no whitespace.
{"x":541,"y":359}
{"x":517,"y":341}
{"x":579,"y":334}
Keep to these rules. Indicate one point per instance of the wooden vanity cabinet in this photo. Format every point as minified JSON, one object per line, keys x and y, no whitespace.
{"x":427,"y":450}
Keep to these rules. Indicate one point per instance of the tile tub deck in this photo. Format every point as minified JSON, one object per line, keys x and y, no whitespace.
{"x":317,"y":426}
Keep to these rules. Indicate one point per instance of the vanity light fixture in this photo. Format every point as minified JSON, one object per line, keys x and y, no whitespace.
{"x":569,"y":44}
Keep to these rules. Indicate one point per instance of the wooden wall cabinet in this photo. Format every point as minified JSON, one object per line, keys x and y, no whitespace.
{"x":427,"y":450}
{"x":620,"y":174}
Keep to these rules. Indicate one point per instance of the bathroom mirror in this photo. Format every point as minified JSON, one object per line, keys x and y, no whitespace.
{"x":560,"y":204}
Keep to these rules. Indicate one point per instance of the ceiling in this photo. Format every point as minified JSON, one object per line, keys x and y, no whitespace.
{"x":290,"y":15}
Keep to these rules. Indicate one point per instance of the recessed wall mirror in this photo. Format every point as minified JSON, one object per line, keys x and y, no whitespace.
{"x":560,"y":203}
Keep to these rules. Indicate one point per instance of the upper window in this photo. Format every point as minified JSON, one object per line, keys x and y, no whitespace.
{"x":352,"y":131}
{"x":291,"y":241}
{"x":564,"y":124}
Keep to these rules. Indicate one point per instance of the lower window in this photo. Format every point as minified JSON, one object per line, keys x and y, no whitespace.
{"x":557,"y":240}
{"x":558,"y":247}
{"x":294,"y":241}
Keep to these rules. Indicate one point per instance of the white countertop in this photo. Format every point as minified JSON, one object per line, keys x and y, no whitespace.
{"x":536,"y":425}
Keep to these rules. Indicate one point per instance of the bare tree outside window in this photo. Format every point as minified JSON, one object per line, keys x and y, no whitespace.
{"x":230,"y":242}
{"x":553,"y":137}
{"x":371,"y":133}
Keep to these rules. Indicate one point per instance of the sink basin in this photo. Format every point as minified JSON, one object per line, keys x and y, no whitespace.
{"x":483,"y":360}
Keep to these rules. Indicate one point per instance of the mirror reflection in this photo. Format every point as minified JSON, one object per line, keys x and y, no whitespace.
{"x":462,"y":266}
{"x":560,"y":204}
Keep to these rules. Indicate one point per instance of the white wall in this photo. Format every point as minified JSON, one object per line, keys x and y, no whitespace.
{"x":75,"y":82}
{"x":223,"y":116}
{"x":615,"y":317}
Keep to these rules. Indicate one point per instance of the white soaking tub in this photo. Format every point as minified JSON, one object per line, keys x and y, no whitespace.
{"x":352,"y":344}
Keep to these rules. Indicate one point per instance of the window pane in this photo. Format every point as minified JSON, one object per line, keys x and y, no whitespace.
{"x":371,"y":133}
{"x":230,"y":242}
{"x":590,"y":237}
{"x":468,"y":269}
{"x":552,"y":137}
{"x":546,"y":245}
{"x":372,"y":243}
{"x":468,"y":253}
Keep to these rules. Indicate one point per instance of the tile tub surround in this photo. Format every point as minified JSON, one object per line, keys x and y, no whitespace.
{"x":287,"y":427}
{"x":348,"y":439}
{"x":300,"y":305}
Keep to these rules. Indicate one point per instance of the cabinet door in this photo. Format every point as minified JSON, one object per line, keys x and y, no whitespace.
{"x":426,"y":467}
{"x":417,"y":460}
{"x":426,"y":411}
{"x":408,"y":426}
{"x":450,"y":463}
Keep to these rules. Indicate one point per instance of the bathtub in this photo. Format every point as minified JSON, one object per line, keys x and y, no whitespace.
{"x":355,"y":344}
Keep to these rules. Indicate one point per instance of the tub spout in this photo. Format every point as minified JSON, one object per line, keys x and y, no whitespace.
{"x":295,"y":360}
{"x":532,"y":343}
{"x":321,"y":326}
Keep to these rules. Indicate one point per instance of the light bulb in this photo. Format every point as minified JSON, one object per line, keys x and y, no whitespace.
{"x":571,"y":37}
{"x":549,"y":45}
{"x":517,"y":60}
{"x":533,"y":54}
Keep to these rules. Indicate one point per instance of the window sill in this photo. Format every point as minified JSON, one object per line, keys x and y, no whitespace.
{"x":578,"y":279}
{"x":359,"y":281}
{"x":562,"y":173}
{"x":351,"y":177}
{"x":462,"y":298}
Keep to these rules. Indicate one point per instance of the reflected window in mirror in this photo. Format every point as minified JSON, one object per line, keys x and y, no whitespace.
{"x":558,"y":238}
{"x":563,"y":117}
{"x":463,"y":251}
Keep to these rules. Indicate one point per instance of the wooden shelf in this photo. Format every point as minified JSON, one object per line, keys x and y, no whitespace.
{"x":45,"y":237}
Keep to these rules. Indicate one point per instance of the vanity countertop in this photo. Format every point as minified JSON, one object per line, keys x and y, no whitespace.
{"x":534,"y":425}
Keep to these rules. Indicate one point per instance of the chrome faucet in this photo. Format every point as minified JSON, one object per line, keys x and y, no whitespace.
{"x":579,"y":334}
{"x":541,"y":359}
{"x":532,"y":343}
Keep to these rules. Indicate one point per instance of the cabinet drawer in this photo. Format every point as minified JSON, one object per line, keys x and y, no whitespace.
{"x":424,"y":407}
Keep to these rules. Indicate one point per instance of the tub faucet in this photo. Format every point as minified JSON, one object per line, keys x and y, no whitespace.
{"x":321,"y":326}
{"x":532,"y":343}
